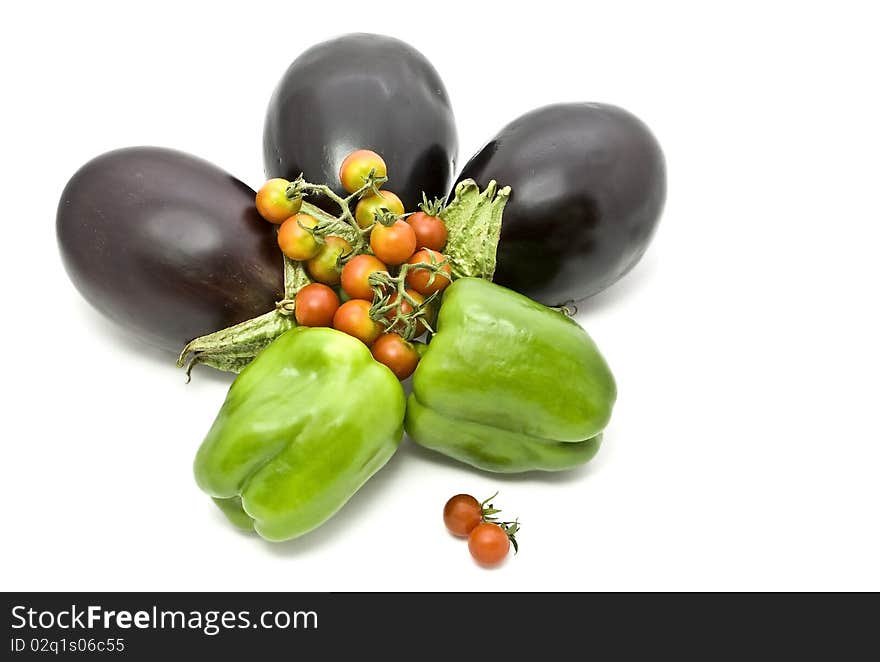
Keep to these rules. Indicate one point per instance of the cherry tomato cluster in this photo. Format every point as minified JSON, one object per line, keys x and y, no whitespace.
{"x":489,"y":540}
{"x":384,"y":294}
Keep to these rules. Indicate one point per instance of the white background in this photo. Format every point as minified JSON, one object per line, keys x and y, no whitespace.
{"x":744,"y":450}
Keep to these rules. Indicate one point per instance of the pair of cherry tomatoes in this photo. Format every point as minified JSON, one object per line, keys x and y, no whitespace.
{"x":294,"y":238}
{"x":396,"y":243}
{"x":388,"y":348}
{"x":318,"y":304}
{"x":488,"y":540}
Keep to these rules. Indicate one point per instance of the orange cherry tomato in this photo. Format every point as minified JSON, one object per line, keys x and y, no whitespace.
{"x":393,"y":244}
{"x":399,"y":355}
{"x":273,"y":203}
{"x":419,"y":279}
{"x":295,"y":241}
{"x":356,"y":276}
{"x":353,"y":318}
{"x":324,"y":267}
{"x":357,"y":166}
{"x":366,"y":208}
{"x":488,"y":543}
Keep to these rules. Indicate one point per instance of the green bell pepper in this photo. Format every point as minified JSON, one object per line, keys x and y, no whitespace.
{"x":509,"y":385}
{"x":302,"y":428}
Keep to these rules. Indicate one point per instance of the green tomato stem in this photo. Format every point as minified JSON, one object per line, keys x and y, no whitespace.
{"x":404,"y":323}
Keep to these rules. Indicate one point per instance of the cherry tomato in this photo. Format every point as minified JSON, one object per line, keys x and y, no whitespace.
{"x":315,"y":305}
{"x":295,"y":241}
{"x":418,"y":279}
{"x":366,"y":208}
{"x":273,"y":203}
{"x":357,"y":166}
{"x":393,"y":244}
{"x":324,"y":267}
{"x":353,"y":318}
{"x":430,"y":230}
{"x":405,"y":309}
{"x":461,"y":514}
{"x":488,"y":543}
{"x":356,"y":276}
{"x":396,"y":353}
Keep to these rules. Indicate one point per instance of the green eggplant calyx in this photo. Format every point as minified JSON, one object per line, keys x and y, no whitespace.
{"x":473,"y":225}
{"x":231,"y":349}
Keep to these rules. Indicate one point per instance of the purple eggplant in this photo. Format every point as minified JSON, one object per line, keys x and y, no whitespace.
{"x":167,"y":245}
{"x":589,"y":183}
{"x":362,"y":91}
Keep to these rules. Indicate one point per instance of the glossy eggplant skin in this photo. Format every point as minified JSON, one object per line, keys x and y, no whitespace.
{"x":589,"y":183}
{"x":167,"y":245}
{"x":362,"y":91}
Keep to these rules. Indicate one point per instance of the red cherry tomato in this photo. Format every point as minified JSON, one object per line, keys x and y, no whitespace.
{"x":461,"y":514}
{"x":366,"y":208}
{"x":396,"y":353}
{"x":357,"y":166}
{"x":315,"y":305}
{"x":295,"y":241}
{"x":273,"y":203}
{"x":488,"y":543}
{"x":356,"y":276}
{"x":430,"y":230}
{"x":353,"y":318}
{"x":419,"y":279}
{"x":324,"y":267}
{"x":393,"y":244}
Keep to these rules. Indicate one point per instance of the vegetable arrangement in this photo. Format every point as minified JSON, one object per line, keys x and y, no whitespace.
{"x":354,"y":267}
